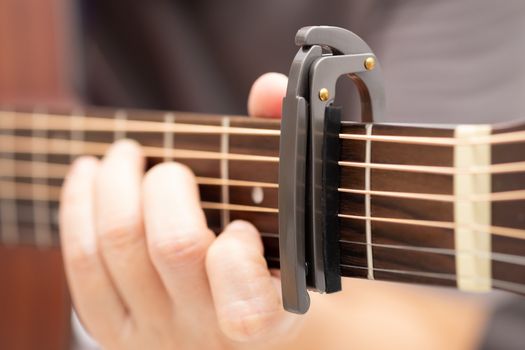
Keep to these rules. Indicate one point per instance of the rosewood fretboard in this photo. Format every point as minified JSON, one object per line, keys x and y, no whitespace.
{"x":398,"y":200}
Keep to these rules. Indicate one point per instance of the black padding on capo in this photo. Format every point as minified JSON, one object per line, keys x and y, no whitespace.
{"x":330,"y":198}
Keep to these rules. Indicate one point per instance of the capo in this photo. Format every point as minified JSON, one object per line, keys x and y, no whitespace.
{"x":309,"y":152}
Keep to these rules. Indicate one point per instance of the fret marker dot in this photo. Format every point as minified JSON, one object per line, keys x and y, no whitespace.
{"x":257,"y":195}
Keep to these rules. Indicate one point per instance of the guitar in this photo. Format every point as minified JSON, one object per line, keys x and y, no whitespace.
{"x":398,"y":225}
{"x":437,"y":205}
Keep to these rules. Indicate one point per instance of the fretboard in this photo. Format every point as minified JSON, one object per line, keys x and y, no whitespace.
{"x":426,"y":204}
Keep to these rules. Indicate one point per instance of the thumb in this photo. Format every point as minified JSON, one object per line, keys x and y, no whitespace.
{"x":266,"y":95}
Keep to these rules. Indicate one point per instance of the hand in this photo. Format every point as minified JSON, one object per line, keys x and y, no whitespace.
{"x":145,"y":271}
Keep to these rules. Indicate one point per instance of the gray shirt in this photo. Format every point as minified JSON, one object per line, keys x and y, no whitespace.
{"x":444,"y":61}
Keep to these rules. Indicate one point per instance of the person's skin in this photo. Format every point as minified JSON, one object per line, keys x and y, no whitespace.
{"x":145,"y":272}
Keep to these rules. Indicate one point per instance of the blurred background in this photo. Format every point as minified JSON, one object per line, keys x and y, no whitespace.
{"x":447,"y":61}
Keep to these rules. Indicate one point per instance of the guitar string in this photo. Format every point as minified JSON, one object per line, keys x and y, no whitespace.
{"x":493,"y":230}
{"x":501,"y":257}
{"x":510,"y":195}
{"x":505,"y":285}
{"x":39,"y":192}
{"x":493,"y":139}
{"x":501,"y":168}
{"x":495,"y":256}
{"x":42,"y":192}
{"x":21,"y":144}
{"x":60,"y":122}
{"x":511,"y":137}
{"x":59,"y":171}
{"x":500,"y":284}
{"x":34,"y":193}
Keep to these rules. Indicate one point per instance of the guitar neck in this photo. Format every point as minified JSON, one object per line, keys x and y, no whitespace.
{"x":417,"y":203}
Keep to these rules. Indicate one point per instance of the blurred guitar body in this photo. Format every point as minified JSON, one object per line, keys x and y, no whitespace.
{"x":36,"y":39}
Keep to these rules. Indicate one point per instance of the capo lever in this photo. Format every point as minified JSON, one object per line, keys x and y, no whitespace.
{"x":309,"y":151}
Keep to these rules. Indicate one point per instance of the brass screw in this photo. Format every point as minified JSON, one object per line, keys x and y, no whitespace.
{"x":324,"y":94}
{"x":370,"y":63}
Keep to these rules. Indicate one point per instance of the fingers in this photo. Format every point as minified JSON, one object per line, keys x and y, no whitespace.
{"x":266,"y":95}
{"x":178,"y":236}
{"x":91,"y":287}
{"x":247,"y":298}
{"x":121,"y":233}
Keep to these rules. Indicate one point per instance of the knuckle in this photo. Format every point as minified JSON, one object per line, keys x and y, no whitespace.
{"x":121,"y":232}
{"x":181,"y":249}
{"x":81,"y":259}
{"x":227,"y":251}
{"x":242,"y":324}
{"x":220,"y":249}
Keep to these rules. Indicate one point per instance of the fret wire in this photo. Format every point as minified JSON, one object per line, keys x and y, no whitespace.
{"x":41,"y":209}
{"x":225,"y":190}
{"x":119,"y":120}
{"x":169,"y":136}
{"x":8,"y":207}
{"x":501,"y":257}
{"x":368,"y":207}
{"x":76,"y":131}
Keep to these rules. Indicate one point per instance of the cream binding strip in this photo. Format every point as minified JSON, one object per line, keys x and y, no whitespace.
{"x":473,"y":270}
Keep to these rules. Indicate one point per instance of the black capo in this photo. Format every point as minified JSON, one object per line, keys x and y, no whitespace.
{"x":309,"y":152}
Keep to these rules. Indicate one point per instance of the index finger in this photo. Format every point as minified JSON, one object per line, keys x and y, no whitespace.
{"x":266,"y":95}
{"x":91,"y":286}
